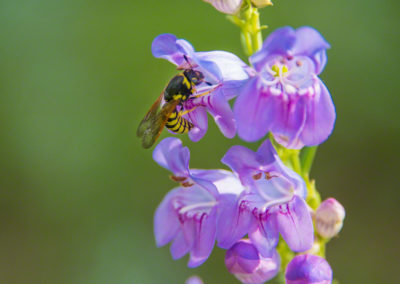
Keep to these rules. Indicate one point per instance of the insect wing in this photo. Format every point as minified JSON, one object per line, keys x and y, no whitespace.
{"x":157,"y":123}
{"x":149,"y":117}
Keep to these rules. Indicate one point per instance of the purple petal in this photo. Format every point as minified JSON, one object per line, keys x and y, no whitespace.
{"x":289,"y":121}
{"x":205,"y":239}
{"x":279,"y":42}
{"x":295,"y":225}
{"x":228,"y":7}
{"x":199,"y":118}
{"x":267,"y":152}
{"x":170,"y":154}
{"x":254,"y":111}
{"x":266,"y":236}
{"x":180,"y":246}
{"x":229,"y":66}
{"x":242,"y":257}
{"x":220,"y":109}
{"x":243,"y":161}
{"x":311,"y":43}
{"x":320,"y":118}
{"x":166,"y":223}
{"x":169,"y":47}
{"x":234,"y":222}
{"x":308,"y":269}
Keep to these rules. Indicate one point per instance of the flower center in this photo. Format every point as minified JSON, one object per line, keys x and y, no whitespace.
{"x":280,"y":70}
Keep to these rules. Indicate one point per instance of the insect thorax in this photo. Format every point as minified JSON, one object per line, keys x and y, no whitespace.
{"x":179,"y":88}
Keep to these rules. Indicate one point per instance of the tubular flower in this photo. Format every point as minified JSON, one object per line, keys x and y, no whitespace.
{"x":308,"y":269}
{"x":223,"y":74}
{"x":188,"y":215}
{"x":286,"y":97}
{"x":244,"y":261}
{"x":226,"y":6}
{"x":272,"y":203}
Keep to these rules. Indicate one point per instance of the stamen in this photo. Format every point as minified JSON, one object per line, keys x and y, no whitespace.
{"x":177,"y":179}
{"x":188,"y":208}
{"x":257,"y":176}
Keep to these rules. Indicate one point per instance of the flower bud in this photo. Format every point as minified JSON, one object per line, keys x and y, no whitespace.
{"x":308,"y":269}
{"x":194,"y":280}
{"x":226,"y":6}
{"x":244,"y":261}
{"x":261,"y":3}
{"x":329,"y":218}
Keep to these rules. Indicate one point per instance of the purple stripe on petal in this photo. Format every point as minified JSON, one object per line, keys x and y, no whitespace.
{"x":295,"y":225}
{"x":320,"y":118}
{"x":266,"y":236}
{"x":199,"y":118}
{"x":180,"y":246}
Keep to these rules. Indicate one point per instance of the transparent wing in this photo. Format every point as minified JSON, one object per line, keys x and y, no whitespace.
{"x":149,"y":117}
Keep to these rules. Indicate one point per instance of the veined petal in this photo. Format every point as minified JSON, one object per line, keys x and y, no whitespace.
{"x":166,"y":223}
{"x":171,"y":155}
{"x":199,"y":118}
{"x":205,"y":239}
{"x":254,"y":111}
{"x":234,"y":221}
{"x":320,"y":118}
{"x":180,"y":246}
{"x":289,"y":122}
{"x":311,"y":43}
{"x":169,"y":47}
{"x":226,"y":6}
{"x":265,"y":238}
{"x":230,"y":67}
{"x":295,"y":224}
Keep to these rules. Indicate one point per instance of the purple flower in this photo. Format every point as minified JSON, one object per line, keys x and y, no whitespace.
{"x":308,"y":269}
{"x":245,"y":262}
{"x":223,"y":74}
{"x":273,"y":202}
{"x":188,"y":216}
{"x":286,"y":96}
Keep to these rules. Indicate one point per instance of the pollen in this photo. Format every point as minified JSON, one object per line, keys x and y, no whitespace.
{"x":280,"y":71}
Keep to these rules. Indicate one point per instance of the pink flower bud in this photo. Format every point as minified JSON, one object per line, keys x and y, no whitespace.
{"x":226,"y":6}
{"x":245,"y":262}
{"x":329,"y":218}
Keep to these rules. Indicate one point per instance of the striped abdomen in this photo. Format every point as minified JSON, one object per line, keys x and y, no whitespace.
{"x":178,"y":124}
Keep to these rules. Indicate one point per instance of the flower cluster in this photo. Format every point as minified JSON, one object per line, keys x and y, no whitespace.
{"x":264,"y":211}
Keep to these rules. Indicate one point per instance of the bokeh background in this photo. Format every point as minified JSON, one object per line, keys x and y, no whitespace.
{"x":77,"y":191}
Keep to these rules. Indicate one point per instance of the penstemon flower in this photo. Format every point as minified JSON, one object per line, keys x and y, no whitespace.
{"x":223,"y":74}
{"x":245,"y":262}
{"x":273,"y":202}
{"x":308,"y":269}
{"x":188,"y":215}
{"x":286,"y":96}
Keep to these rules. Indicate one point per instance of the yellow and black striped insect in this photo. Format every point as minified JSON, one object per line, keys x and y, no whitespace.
{"x":179,"y":89}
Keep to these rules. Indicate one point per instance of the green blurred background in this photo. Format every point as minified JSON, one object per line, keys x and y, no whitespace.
{"x":77,"y":191}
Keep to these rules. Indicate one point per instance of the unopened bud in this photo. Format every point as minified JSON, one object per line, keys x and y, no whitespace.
{"x":244,"y":261}
{"x":226,"y":6}
{"x":308,"y":269}
{"x":261,"y":3}
{"x":329,"y":218}
{"x":194,"y":280}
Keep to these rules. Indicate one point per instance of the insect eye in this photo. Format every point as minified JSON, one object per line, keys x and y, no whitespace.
{"x":194,"y":80}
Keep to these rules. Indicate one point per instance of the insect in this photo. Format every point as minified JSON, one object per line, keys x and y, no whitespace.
{"x":179,"y":89}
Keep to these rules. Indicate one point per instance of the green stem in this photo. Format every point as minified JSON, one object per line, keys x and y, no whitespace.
{"x":307,"y":158}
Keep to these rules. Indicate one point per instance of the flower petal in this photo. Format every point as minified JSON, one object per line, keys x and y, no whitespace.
{"x":320,"y":118}
{"x":254,"y":111}
{"x":295,"y":225}
{"x":166,"y":223}
{"x":180,"y":246}
{"x":220,"y":109}
{"x":170,"y":154}
{"x":169,"y":47}
{"x":205,"y":239}
{"x":226,"y":6}
{"x":279,"y":42}
{"x":234,"y":222}
{"x":229,"y":66}
{"x":311,"y":43}
{"x":199,"y":118}
{"x":265,"y":238}
{"x":289,"y":121}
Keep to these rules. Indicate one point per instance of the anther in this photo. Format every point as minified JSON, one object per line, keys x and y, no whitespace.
{"x":257,"y":176}
{"x":187,"y":184}
{"x":177,"y":179}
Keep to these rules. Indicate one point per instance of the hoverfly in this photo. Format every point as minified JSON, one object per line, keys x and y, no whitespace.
{"x":179,"y":89}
